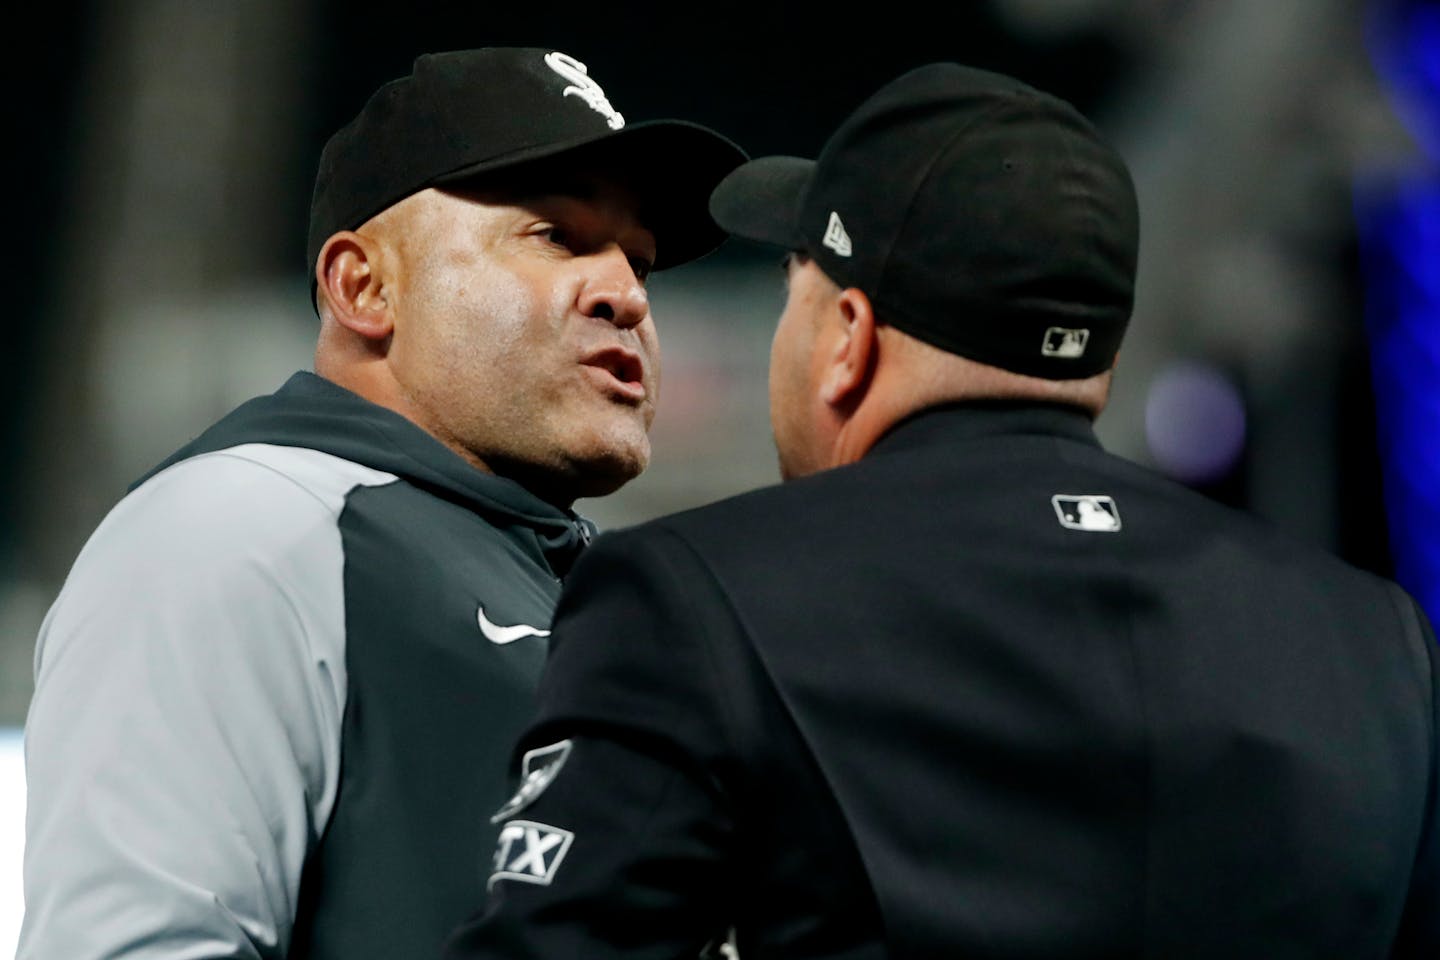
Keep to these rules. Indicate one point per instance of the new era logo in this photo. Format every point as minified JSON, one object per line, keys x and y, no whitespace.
{"x":835,"y":236}
{"x":529,"y":852}
{"x":1087,"y":512}
{"x":1065,"y":342}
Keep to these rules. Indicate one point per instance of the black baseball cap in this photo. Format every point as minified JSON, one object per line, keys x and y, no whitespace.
{"x":978,"y":214}
{"x":465,"y":113}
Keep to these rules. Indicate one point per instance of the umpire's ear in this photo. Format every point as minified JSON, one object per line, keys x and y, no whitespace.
{"x":849,"y":348}
{"x":348,"y":279}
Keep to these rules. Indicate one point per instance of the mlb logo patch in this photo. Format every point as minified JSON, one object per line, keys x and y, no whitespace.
{"x":1090,"y":512}
{"x":1065,"y":342}
{"x":529,"y":852}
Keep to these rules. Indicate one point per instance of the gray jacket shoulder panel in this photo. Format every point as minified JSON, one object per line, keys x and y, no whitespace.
{"x":182,"y":746}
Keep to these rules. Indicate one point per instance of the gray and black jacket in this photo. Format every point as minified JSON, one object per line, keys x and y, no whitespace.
{"x":275,"y":696}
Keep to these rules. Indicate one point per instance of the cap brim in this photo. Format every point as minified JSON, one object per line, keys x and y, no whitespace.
{"x":670,"y":165}
{"x":760,"y":200}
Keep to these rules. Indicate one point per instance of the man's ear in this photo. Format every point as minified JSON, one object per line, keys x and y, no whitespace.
{"x":348,"y":275}
{"x":852,"y":351}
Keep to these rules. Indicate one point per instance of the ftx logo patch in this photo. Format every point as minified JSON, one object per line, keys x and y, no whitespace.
{"x":530,"y":852}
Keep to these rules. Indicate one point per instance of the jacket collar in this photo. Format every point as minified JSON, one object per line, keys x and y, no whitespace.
{"x":976,"y":419}
{"x":310,"y":411}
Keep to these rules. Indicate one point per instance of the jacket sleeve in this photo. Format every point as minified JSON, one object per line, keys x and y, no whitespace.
{"x":618,"y":842}
{"x":1419,"y":934}
{"x":182,"y":745}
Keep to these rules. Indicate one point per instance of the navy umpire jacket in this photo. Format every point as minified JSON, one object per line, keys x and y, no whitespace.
{"x":989,"y":693}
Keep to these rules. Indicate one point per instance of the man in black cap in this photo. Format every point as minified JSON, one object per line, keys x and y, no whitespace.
{"x":275,"y":697}
{"x":967,"y":685}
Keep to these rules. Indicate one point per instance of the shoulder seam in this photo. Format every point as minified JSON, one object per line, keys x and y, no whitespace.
{"x":333,"y":510}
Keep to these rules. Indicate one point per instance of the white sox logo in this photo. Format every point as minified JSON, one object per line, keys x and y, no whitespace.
{"x":583,"y":87}
{"x":530,"y":852}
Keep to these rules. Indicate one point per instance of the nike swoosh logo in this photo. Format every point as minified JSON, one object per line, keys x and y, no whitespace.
{"x":501,"y":635}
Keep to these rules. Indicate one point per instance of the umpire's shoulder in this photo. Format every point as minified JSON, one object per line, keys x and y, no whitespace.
{"x":223,"y":509}
{"x":742,"y":517}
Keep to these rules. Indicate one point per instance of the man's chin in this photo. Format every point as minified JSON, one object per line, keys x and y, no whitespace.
{"x":578,"y":475}
{"x":603,"y":475}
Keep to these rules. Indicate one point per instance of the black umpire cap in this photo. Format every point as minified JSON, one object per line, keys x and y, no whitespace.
{"x":463,"y":113}
{"x":977,"y":213}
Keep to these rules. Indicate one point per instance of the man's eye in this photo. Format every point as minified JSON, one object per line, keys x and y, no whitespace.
{"x":558,"y":235}
{"x":642,"y":268}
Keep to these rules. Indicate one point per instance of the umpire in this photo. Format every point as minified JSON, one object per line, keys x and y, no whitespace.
{"x":967,"y":685}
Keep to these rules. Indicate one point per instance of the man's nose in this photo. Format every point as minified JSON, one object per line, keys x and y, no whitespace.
{"x":612,"y":292}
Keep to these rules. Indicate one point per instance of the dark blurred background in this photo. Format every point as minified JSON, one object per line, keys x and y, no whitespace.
{"x":163,"y":153}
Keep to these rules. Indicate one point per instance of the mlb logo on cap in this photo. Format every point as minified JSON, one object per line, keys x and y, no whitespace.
{"x":1064,"y":342}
